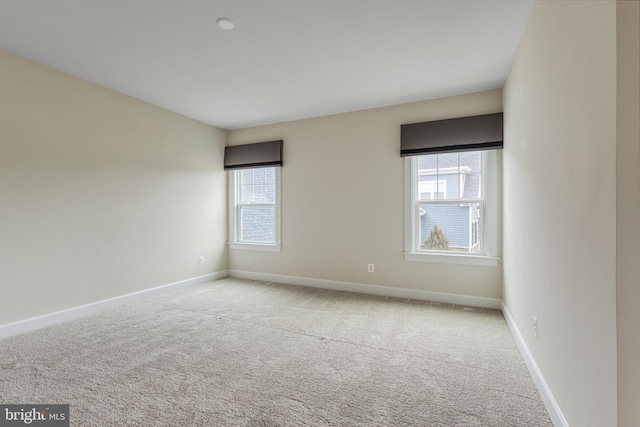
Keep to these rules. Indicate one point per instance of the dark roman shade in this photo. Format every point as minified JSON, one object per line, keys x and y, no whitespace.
{"x":260,"y":155}
{"x":461,"y":134}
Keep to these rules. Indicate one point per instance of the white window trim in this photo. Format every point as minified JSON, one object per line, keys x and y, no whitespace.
{"x":234,"y":243}
{"x":489,"y":237}
{"x":445,"y":171}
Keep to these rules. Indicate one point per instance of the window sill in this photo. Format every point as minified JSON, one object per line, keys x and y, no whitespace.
{"x":255,"y":247}
{"x":484,"y":261}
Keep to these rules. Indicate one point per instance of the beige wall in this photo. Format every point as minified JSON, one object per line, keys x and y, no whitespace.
{"x":628,"y":212}
{"x":100,"y":194}
{"x":559,"y":222}
{"x":343,"y":200}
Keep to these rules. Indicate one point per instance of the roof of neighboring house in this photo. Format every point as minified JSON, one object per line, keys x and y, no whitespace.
{"x":471,"y":186}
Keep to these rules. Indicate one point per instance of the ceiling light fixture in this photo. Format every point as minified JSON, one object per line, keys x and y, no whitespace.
{"x":226,"y":23}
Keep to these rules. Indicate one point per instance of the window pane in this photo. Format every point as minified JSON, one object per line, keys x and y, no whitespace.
{"x":457,"y":175}
{"x":258,"y":185}
{"x":449,"y":227}
{"x":257,"y":224}
{"x":471,"y":171}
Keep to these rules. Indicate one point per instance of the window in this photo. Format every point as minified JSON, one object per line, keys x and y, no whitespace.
{"x":429,"y":190}
{"x":254,"y":214}
{"x":451,"y":214}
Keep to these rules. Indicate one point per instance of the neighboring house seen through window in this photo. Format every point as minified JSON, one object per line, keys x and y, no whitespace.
{"x":447,"y":205}
{"x":254,"y":214}
{"x":449,"y":223}
{"x":257,"y":205}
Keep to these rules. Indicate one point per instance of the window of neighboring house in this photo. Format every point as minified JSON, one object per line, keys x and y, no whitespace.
{"x":451,"y":207}
{"x":430,"y":190}
{"x":254,"y":214}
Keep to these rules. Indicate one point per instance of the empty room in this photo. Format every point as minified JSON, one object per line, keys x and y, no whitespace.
{"x":305,"y":213}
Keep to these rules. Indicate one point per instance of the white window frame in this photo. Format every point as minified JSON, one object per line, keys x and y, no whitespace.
{"x":234,"y":216}
{"x":488,"y":230}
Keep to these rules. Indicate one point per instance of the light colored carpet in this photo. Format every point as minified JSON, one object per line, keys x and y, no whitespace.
{"x":242,"y":353}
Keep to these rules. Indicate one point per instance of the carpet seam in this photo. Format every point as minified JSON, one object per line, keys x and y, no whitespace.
{"x":322,"y":338}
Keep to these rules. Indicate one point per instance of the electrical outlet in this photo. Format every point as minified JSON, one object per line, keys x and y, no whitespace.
{"x":201,"y":260}
{"x":535,"y":326}
{"x":370,"y":268}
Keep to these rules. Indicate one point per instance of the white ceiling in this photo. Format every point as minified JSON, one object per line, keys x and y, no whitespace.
{"x":285,"y":60}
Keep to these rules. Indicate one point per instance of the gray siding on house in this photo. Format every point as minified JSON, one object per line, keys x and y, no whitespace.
{"x":257,"y":224}
{"x":258,"y":185}
{"x":452,"y":219}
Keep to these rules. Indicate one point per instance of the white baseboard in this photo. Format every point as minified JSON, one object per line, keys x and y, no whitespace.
{"x":547,"y":397}
{"x":51,"y":319}
{"x":372,"y":289}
